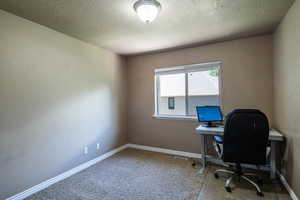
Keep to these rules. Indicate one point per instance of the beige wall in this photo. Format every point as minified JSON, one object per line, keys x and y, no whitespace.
{"x":287,"y":92}
{"x":246,"y":83}
{"x":57,"y":95}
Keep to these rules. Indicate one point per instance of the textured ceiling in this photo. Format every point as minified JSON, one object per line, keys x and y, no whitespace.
{"x":113,"y":24}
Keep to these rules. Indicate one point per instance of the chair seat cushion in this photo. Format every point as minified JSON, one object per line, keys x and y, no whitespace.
{"x":218,"y":139}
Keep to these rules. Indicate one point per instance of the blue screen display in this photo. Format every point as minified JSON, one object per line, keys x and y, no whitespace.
{"x":209,"y":113}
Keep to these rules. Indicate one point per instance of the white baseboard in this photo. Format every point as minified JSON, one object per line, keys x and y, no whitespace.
{"x":287,"y":186}
{"x":47,"y":183}
{"x":194,"y":155}
{"x":83,"y":166}
{"x":166,"y":151}
{"x":187,"y":154}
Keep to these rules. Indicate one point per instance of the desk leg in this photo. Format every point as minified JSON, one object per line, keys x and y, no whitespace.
{"x":273,"y":160}
{"x":204,"y":153}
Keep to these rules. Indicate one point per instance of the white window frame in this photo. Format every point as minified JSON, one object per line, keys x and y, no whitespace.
{"x":183,"y":69}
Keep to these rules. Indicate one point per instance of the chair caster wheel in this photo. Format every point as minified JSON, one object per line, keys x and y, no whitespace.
{"x":228,"y":189}
{"x":216,"y":175}
{"x":260,"y":181}
{"x":259,"y":194}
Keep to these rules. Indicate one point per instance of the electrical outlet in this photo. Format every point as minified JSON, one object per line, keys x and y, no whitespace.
{"x":86,"y":150}
{"x":98,"y":146}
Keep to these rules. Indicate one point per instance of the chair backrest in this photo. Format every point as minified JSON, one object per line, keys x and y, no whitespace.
{"x":246,"y":136}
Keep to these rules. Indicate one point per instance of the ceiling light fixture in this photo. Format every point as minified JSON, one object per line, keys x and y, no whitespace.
{"x":147,"y":10}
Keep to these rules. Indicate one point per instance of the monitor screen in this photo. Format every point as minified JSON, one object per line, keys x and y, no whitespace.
{"x":209,"y":113}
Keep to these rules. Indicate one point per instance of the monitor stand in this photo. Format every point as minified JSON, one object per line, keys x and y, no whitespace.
{"x":209,"y":125}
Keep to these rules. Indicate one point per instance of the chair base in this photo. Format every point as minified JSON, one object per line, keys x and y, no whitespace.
{"x":238,"y":174}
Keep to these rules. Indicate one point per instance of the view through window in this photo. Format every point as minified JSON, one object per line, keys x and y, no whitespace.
{"x":180,"y":89}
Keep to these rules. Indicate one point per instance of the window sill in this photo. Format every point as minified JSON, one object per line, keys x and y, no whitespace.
{"x":176,"y":117}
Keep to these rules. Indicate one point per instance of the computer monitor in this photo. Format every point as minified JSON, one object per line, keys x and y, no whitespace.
{"x":209,"y":114}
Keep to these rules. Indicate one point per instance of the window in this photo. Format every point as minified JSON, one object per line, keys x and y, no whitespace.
{"x":171,"y":103}
{"x":178,"y":90}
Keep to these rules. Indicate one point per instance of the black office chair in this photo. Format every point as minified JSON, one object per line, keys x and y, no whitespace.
{"x":245,"y":141}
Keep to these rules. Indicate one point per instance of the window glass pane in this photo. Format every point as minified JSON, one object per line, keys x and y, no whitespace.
{"x":203,"y":89}
{"x":171,"y":100}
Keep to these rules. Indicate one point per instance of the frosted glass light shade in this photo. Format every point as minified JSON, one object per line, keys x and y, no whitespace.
{"x":147,"y":10}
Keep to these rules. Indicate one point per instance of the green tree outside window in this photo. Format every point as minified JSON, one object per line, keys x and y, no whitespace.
{"x":214,"y":73}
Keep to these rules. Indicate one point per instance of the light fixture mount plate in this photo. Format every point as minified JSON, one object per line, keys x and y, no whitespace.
{"x":146,"y":2}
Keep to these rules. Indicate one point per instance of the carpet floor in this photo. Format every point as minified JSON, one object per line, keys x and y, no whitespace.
{"x":142,"y":175}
